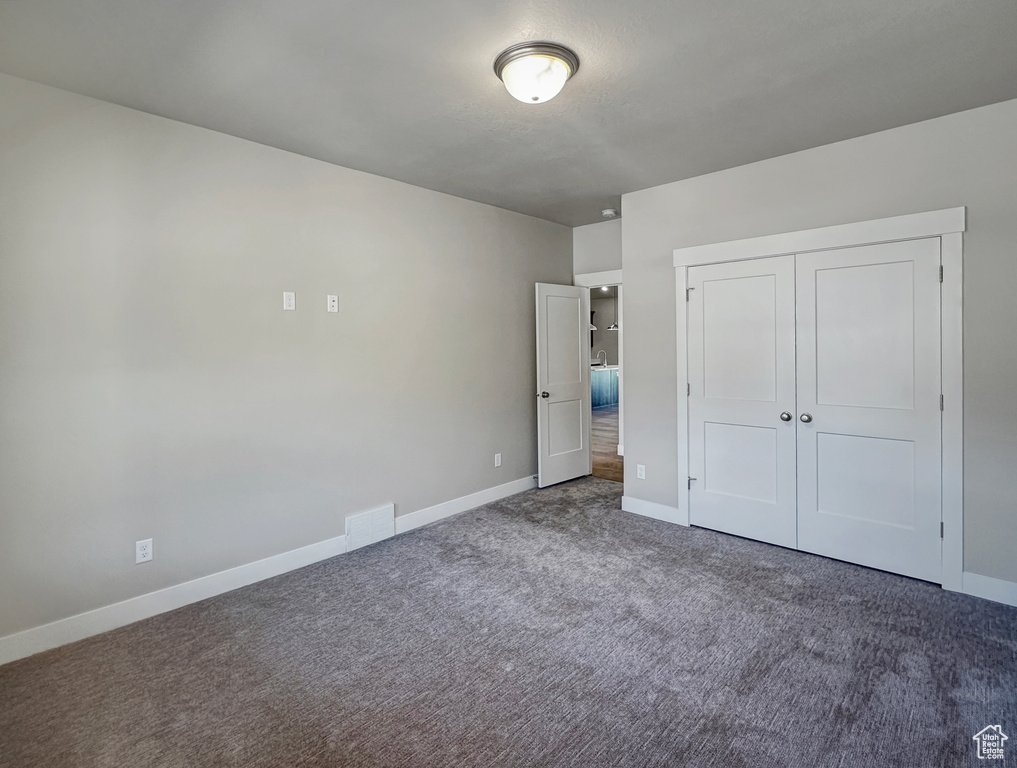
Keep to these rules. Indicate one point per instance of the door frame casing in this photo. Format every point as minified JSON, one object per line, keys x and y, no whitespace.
{"x":949,"y":225}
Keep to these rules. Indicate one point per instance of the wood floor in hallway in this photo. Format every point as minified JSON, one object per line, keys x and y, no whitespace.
{"x":604,"y":442}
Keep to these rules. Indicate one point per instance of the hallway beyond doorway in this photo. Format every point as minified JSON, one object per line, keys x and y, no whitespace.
{"x":607,"y":464}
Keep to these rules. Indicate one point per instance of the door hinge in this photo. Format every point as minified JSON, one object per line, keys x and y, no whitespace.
{"x":690,"y":482}
{"x":941,"y":530}
{"x":941,"y":402}
{"x":940,"y":273}
{"x":687,"y":293}
{"x":688,"y":389}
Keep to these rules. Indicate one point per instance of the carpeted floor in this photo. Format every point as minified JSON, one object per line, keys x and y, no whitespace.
{"x":547,"y":629}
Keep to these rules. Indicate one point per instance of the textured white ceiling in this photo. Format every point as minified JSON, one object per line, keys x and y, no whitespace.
{"x":666,"y":89}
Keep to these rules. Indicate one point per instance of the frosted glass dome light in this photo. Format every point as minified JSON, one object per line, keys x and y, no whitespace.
{"x":535,"y":79}
{"x":535,"y":72}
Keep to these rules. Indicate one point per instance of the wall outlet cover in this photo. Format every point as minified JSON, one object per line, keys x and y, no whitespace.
{"x":143,"y":552}
{"x":641,"y":471}
{"x":289,"y":301}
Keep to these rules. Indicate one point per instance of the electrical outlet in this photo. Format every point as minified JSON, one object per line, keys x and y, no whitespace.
{"x":142,"y":551}
{"x":289,"y":301}
{"x":333,"y":303}
{"x":497,"y":459}
{"x":641,"y":471}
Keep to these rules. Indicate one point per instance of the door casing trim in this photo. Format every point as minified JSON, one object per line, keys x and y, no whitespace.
{"x":948,"y":224}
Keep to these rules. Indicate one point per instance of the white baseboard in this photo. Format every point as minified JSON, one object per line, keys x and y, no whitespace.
{"x":654,"y":510}
{"x":73,"y":628}
{"x":989,"y":588}
{"x":427,"y":515}
{"x":621,"y":449}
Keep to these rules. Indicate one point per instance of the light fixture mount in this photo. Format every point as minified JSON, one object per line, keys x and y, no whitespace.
{"x":535,"y":72}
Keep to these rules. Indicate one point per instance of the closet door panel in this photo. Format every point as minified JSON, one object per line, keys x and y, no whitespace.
{"x":868,"y":401}
{"x":741,"y":370}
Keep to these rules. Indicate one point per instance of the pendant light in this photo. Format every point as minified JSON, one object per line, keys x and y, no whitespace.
{"x":535,"y":72}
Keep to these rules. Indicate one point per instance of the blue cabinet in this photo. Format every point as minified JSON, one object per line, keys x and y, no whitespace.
{"x":604,"y":387}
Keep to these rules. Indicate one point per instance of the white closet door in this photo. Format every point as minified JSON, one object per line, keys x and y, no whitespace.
{"x":868,"y":404}
{"x":741,"y":347}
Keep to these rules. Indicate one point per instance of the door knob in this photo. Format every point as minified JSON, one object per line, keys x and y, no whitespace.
{"x":545,"y":394}
{"x":786,"y":416}
{"x":806,"y":417}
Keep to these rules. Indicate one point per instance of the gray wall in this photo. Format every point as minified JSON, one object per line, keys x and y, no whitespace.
{"x":152,"y":386}
{"x":597,"y":247}
{"x":967,"y":159}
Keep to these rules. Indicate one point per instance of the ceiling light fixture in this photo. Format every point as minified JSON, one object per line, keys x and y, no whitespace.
{"x":609,"y":213}
{"x":535,"y":72}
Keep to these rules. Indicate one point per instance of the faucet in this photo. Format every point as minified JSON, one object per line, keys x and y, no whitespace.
{"x":605,"y":357}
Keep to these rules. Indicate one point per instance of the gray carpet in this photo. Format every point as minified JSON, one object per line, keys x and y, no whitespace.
{"x":547,"y":629}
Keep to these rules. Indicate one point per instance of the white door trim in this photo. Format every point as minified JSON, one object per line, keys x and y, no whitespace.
{"x":597,"y":279}
{"x":681,"y":284}
{"x":948,"y":224}
{"x":908,"y":227}
{"x":952,"y":339}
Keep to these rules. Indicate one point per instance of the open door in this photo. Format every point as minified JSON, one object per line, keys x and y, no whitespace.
{"x":563,"y":383}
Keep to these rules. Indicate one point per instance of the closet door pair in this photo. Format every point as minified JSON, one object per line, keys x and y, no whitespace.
{"x":814,"y":403}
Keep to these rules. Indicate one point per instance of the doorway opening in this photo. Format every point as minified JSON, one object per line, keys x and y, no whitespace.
{"x":605,"y":382}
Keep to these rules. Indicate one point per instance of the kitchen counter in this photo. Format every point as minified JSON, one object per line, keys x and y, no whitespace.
{"x":604,"y":385}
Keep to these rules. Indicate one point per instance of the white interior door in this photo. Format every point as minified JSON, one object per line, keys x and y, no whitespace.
{"x":741,"y":350}
{"x":563,"y":383}
{"x":869,"y":427}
